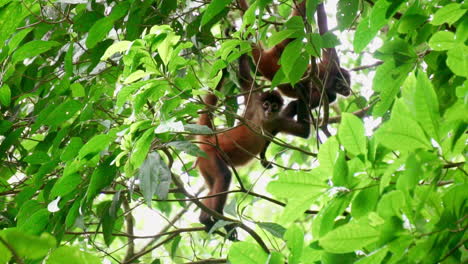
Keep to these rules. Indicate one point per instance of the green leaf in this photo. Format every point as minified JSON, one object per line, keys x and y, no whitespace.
{"x":95,"y":145}
{"x":448,"y":14}
{"x":215,"y":7}
{"x":370,"y":25}
{"x":36,"y":223}
{"x":295,"y":183}
{"x":62,"y":113}
{"x":293,"y":62}
{"x":72,"y":149}
{"x":296,"y":207}
{"x":427,"y":106}
{"x":155,"y":177}
{"x":351,"y":133}
{"x":375,"y":257}
{"x":33,"y":48}
{"x":77,"y":90}
{"x":294,"y":238}
{"x":391,"y":203}
{"x":279,"y":36}
{"x":198,"y":129}
{"x":119,"y":10}
{"x":72,"y":255}
{"x":28,"y":246}
{"x":187,"y":147}
{"x":100,"y":179}
{"x":275,"y":229}
{"x":99,"y":31}
{"x":347,"y":11}
{"x":411,"y":22}
{"x":442,"y":40}
{"x":325,"y":219}
{"x":247,"y":253}
{"x":10,"y":18}
{"x":142,"y":146}
{"x":365,"y":201}
{"x":348,"y":238}
{"x":328,"y":154}
{"x":118,"y":47}
{"x":126,"y":92}
{"x":402,"y":132}
{"x":457,"y":60}
{"x":38,"y":157}
{"x":388,"y":79}
{"x":66,"y":184}
{"x":5,"y":95}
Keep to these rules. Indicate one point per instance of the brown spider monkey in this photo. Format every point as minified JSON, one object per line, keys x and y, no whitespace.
{"x":334,"y":78}
{"x":241,"y":144}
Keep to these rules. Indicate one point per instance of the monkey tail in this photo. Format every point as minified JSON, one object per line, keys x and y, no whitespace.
{"x":206,"y":118}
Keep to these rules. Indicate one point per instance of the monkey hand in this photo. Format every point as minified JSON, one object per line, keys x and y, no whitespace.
{"x":266,"y":164}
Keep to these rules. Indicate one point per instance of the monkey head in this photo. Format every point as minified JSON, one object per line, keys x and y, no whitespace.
{"x":272,"y":102}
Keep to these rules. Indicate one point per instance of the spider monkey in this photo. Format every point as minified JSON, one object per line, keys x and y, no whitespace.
{"x":239,"y":145}
{"x":335,"y":79}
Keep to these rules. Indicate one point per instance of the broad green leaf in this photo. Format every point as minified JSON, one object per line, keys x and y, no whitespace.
{"x":296,"y":207}
{"x":348,"y":238}
{"x":33,"y":48}
{"x":187,"y":147}
{"x":411,"y":22}
{"x":95,"y":145}
{"x":5,"y":95}
{"x":72,"y":255}
{"x":293,"y":62}
{"x":375,"y":257}
{"x":101,"y":178}
{"x":294,"y":238}
{"x":328,"y":154}
{"x":365,"y":201}
{"x":72,"y":149}
{"x":10,"y":18}
{"x":275,"y":229}
{"x":325,"y":220}
{"x":77,"y":90}
{"x":5,"y":253}
{"x":402,"y":132}
{"x":28,"y":246}
{"x":370,"y":25}
{"x":99,"y":31}
{"x":347,"y":11}
{"x":352,"y":134}
{"x":279,"y":36}
{"x":198,"y":129}
{"x":141,"y":148}
{"x":247,"y":253}
{"x":457,"y":60}
{"x":462,"y":31}
{"x":169,"y":126}
{"x":448,"y":14}
{"x":66,"y":184}
{"x":119,"y":10}
{"x":118,"y":47}
{"x":135,"y":76}
{"x":295,"y":183}
{"x":388,"y":79}
{"x":38,"y":157}
{"x":63,"y":112}
{"x":215,"y":7}
{"x":442,"y":40}
{"x":390,"y":204}
{"x":166,"y":48}
{"x":341,"y":171}
{"x":36,"y":223}
{"x":427,"y":106}
{"x":127,"y":91}
{"x":155,"y":177}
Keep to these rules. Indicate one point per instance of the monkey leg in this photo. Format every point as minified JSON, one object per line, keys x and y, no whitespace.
{"x":217,"y":177}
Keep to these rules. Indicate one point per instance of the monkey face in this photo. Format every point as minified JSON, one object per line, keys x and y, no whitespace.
{"x":270,"y":109}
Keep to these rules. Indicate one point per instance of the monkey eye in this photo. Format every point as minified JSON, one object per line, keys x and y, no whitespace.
{"x":266,"y":105}
{"x":274,"y":107}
